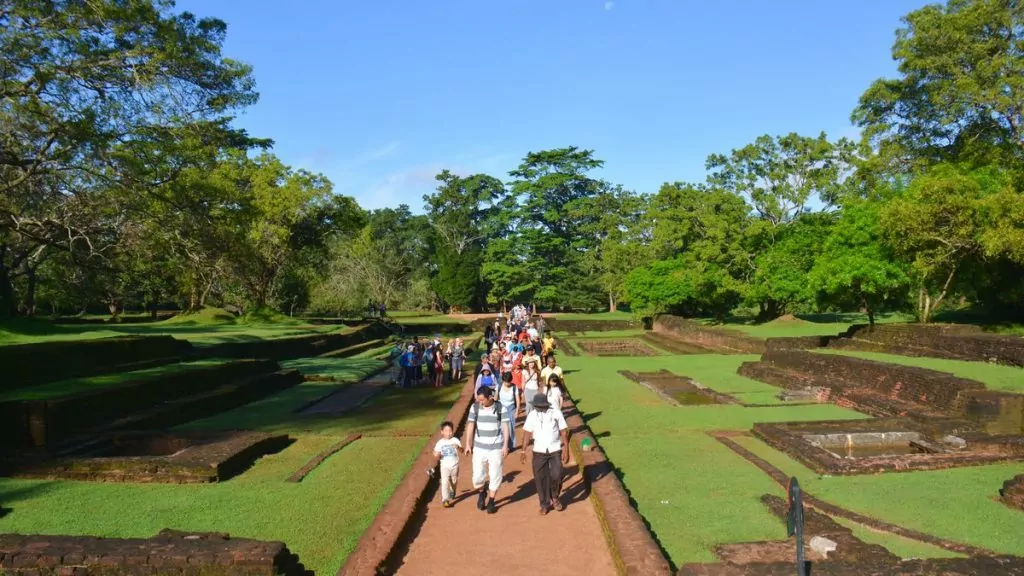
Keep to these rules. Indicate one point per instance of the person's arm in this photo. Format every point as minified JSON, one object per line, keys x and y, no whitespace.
{"x":506,"y":433}
{"x":470,"y":429}
{"x":563,"y":432}
{"x":526,"y":442}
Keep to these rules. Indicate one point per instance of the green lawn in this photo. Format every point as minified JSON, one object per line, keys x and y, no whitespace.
{"x":993,"y":376}
{"x":207,"y":327}
{"x":696,"y":493}
{"x":76,"y":385}
{"x":321,"y":518}
{"x":809,"y":325}
{"x":623,"y":316}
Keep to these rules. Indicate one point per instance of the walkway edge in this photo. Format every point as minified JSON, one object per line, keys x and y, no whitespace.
{"x":380,"y":538}
{"x":631,"y":544}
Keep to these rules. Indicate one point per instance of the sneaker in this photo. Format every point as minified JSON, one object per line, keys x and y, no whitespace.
{"x":481,"y":502}
{"x":491,"y":508}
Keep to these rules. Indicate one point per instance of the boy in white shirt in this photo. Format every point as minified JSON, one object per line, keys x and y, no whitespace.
{"x":547,"y":427}
{"x":447,"y":452}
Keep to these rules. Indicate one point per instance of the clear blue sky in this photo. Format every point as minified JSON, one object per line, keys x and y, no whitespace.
{"x":380,"y":95}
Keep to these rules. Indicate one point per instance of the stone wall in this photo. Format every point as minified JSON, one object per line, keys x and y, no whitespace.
{"x":956,"y":342}
{"x":556,"y":325}
{"x":1012,"y":492}
{"x":930,"y":388}
{"x":168,"y":553}
{"x":40,"y":422}
{"x":39,"y":363}
{"x":721,"y":340}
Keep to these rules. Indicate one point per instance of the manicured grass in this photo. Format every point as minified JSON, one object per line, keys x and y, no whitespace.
{"x":959,"y":504}
{"x":905,"y":548}
{"x":340,"y":369}
{"x":434,"y":319}
{"x":320,"y":519}
{"x":810,"y":325}
{"x":623,"y":316}
{"x":209,"y":326}
{"x":696,"y":493}
{"x":77,"y":385}
{"x":993,"y":376}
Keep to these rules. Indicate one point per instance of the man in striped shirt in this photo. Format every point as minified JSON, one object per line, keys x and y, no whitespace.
{"x":487,"y":432}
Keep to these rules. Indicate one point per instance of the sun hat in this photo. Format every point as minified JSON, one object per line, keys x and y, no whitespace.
{"x":541,"y":401}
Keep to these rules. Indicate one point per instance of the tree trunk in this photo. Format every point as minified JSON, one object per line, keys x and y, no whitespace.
{"x":8,"y":307}
{"x":114,"y":309}
{"x":612,"y":304}
{"x":30,"y":292}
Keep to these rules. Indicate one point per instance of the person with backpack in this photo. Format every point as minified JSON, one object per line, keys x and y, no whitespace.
{"x":547,"y":428}
{"x":458,"y":357}
{"x":408,"y":359}
{"x":428,"y":360}
{"x":508,"y":397}
{"x":486,"y":378}
{"x":487,"y":433}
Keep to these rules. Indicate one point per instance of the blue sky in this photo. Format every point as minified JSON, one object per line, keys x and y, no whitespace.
{"x":380,"y":95}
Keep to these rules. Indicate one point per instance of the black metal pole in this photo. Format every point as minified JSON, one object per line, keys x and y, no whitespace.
{"x":795,"y":523}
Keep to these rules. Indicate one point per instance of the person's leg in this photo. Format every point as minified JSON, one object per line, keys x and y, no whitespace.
{"x":555,"y":473}
{"x":480,"y":477}
{"x":496,"y":473}
{"x":446,"y":472}
{"x":541,"y":480}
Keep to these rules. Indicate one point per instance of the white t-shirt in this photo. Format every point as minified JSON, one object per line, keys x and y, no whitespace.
{"x":545,"y":427}
{"x":532,"y":332}
{"x":554,"y":394}
{"x":449,"y":450}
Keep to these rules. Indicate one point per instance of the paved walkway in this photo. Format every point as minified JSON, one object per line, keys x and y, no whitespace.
{"x":517,"y":539}
{"x":352,"y":395}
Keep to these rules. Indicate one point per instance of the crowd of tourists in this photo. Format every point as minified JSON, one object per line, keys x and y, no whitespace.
{"x":427,"y":362}
{"x":518,"y":375}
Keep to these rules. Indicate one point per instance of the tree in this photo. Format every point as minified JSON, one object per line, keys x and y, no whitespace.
{"x":548,"y":186}
{"x":938,"y":224}
{"x":86,"y":88}
{"x":463,"y":214}
{"x":781,"y":175}
{"x":960,"y":91}
{"x":779,"y":280}
{"x":855,"y":268}
{"x":682,"y":286}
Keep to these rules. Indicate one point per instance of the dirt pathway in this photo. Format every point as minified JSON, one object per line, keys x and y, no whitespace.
{"x":517,"y":540}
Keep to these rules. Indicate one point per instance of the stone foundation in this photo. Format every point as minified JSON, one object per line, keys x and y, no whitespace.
{"x":151,"y":457}
{"x":602,"y":347}
{"x":1012,"y":492}
{"x":720,"y":340}
{"x":168,"y":553}
{"x":677,"y":390}
{"x":886,"y":445}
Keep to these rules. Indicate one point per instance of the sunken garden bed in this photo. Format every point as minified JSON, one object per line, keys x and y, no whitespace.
{"x":678,"y":390}
{"x":168,"y":553}
{"x":610,"y":347}
{"x":150,"y":457}
{"x":846,"y":447}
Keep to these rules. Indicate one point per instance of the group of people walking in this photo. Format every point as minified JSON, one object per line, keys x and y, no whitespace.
{"x":517,"y":375}
{"x":411,"y":360}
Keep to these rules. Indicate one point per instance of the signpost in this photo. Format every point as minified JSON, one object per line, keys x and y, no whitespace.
{"x":795,"y":523}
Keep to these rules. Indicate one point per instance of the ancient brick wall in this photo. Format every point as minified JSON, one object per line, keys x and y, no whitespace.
{"x":718,"y":339}
{"x":1012,"y":493}
{"x":295,"y":346}
{"x":39,"y":422}
{"x":956,"y":342}
{"x":918,"y":385}
{"x":39,"y":363}
{"x":168,"y":553}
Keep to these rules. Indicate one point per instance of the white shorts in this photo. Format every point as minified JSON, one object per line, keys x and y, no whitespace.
{"x":487,"y":464}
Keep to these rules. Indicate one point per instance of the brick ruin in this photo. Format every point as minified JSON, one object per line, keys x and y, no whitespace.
{"x":677,"y":390}
{"x":149,"y":457}
{"x":851,"y":557}
{"x":712,"y":338}
{"x":170,"y":552}
{"x":608,"y":347}
{"x":1012,"y":492}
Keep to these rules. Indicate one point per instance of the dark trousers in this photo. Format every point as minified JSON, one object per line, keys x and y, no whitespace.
{"x":408,"y":376}
{"x":547,"y":474}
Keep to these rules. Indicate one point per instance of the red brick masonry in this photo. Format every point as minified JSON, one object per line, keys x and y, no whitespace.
{"x":168,"y":553}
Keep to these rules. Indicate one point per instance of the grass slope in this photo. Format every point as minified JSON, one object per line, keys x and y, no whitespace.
{"x":76,"y":385}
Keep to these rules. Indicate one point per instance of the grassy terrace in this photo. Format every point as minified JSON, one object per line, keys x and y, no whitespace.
{"x":76,"y":385}
{"x":321,"y":518}
{"x":206,"y":327}
{"x":993,"y":376}
{"x":696,"y":493}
